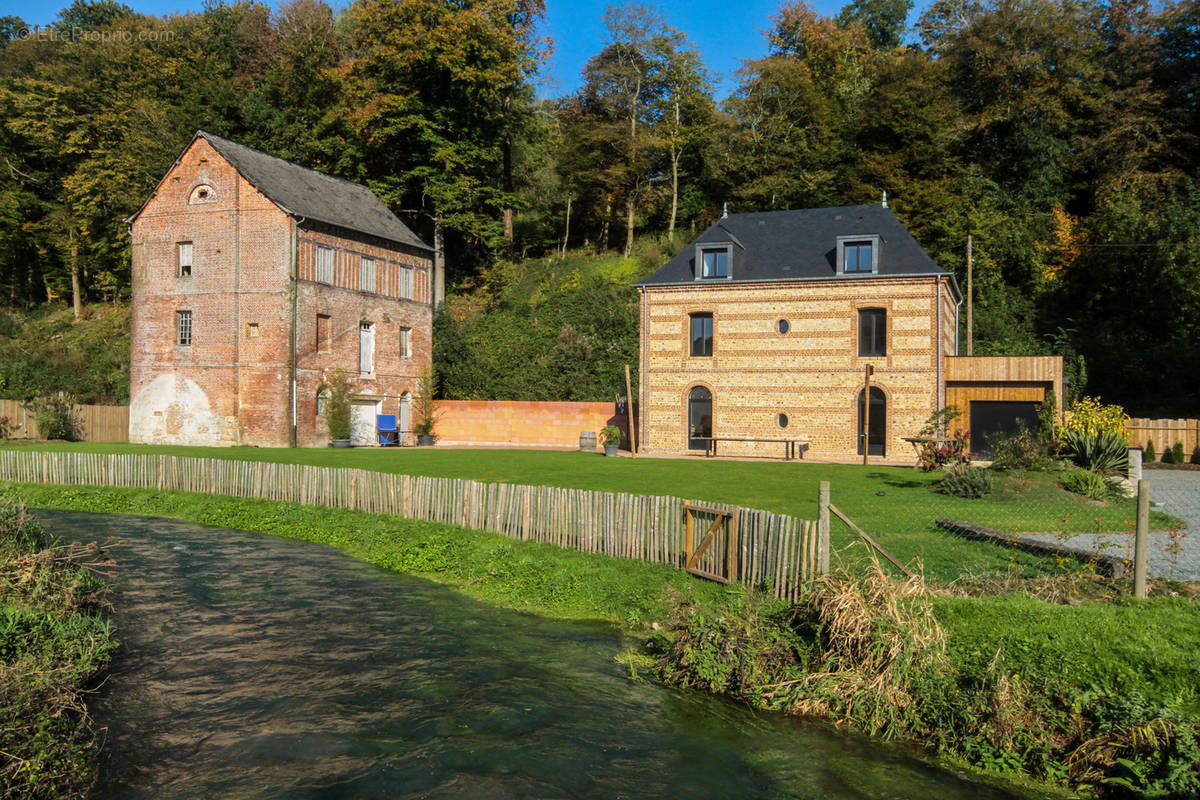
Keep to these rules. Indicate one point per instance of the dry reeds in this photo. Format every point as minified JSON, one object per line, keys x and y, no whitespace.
{"x":875,"y":637}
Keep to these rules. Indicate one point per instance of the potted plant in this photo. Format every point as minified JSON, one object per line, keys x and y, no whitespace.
{"x":337,"y":407}
{"x":426,"y":385}
{"x":610,"y":437}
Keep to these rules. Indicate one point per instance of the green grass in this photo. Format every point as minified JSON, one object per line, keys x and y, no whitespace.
{"x":526,"y":576}
{"x":1149,"y":647}
{"x":895,"y":504}
{"x":53,"y":643}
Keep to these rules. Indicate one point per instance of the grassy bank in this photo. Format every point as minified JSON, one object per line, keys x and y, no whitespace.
{"x":1099,"y":696}
{"x":53,"y":643}
{"x":526,"y":576}
{"x":897,"y":504}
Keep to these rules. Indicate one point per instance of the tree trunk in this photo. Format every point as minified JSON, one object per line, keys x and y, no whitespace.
{"x":674,"y":192}
{"x":566,"y":229}
{"x":508,"y":178}
{"x":438,"y":289}
{"x":674,"y":171}
{"x":76,"y":275}
{"x":629,"y":209}
{"x":604,"y":226}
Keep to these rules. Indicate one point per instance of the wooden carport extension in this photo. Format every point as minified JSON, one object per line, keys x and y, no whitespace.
{"x":1001,"y":379}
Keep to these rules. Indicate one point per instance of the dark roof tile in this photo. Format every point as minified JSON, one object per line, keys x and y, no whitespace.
{"x":314,"y":195}
{"x":795,"y":245}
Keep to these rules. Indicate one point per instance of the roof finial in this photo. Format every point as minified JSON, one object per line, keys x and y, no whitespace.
{"x":885,"y":198}
{"x":725,"y":210}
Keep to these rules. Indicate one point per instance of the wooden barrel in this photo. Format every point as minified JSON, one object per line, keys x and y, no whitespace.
{"x":587,"y":441}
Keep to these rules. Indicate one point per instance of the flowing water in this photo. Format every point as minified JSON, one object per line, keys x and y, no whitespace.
{"x":258,"y":667}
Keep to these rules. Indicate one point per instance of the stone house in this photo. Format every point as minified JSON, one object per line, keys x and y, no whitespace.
{"x":771,"y":326}
{"x":253,"y":278}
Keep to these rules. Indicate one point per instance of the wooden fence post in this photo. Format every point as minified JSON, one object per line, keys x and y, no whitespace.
{"x":1139,"y":542}
{"x":527,"y":514}
{"x":823,"y":528}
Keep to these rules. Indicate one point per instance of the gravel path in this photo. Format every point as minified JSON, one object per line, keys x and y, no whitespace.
{"x":1177,"y":492}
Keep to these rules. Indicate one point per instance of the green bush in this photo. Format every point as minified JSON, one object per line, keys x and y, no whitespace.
{"x":1149,"y":455}
{"x":56,"y":417}
{"x":1088,"y":484}
{"x":1177,"y":453}
{"x":1023,"y":450}
{"x":966,"y":481}
{"x":21,"y":528}
{"x":1102,"y":451}
{"x":337,"y":406}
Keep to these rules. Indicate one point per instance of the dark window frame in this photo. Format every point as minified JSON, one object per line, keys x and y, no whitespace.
{"x":874,"y":343}
{"x":874,"y":241}
{"x":714,"y":247}
{"x":693,"y":319}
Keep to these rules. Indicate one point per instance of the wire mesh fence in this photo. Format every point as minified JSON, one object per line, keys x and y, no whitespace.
{"x":1025,"y":524}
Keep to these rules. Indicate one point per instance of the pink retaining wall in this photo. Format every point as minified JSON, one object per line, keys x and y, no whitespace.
{"x":519,"y":423}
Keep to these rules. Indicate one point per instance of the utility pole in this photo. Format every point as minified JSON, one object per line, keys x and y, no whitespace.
{"x":970,"y":301}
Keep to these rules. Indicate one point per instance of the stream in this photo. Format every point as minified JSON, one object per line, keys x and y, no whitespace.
{"x":253,"y":666}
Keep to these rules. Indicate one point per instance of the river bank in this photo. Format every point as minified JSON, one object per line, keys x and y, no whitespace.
{"x":1098,"y":697}
{"x":54,"y":643}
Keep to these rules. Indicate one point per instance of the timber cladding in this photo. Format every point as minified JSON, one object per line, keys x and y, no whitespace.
{"x":813,"y":373}
{"x":1164,"y":433}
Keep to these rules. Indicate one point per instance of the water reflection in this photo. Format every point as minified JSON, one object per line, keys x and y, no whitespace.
{"x":257,"y":667}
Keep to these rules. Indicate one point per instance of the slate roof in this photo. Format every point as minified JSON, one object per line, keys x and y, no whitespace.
{"x":314,"y":195}
{"x":800,"y":245}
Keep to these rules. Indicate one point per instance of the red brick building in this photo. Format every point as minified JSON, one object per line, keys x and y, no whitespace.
{"x":253,"y":277}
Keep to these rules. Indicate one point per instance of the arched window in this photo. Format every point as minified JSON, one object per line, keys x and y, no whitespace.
{"x":699,"y":418}
{"x":322,"y":400}
{"x":202,"y":194}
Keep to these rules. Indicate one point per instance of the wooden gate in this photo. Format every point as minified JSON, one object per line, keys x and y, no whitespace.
{"x":701,"y":558}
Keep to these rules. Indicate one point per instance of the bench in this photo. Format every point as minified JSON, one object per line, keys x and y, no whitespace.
{"x":792,"y":448}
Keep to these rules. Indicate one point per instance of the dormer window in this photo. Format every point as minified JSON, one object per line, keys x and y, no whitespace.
{"x":713,"y":261}
{"x":858,"y":255}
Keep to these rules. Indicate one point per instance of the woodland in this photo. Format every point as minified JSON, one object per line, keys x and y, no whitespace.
{"x":1059,"y":135}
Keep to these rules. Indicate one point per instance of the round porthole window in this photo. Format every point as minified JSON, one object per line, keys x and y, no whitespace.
{"x":782,"y":420}
{"x":783,"y":326}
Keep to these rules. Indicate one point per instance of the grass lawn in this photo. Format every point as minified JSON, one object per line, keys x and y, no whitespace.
{"x":895,"y":504}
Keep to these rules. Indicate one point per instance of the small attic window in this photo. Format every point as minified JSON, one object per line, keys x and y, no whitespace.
{"x":713,"y":261}
{"x":202,"y":194}
{"x":858,"y":255}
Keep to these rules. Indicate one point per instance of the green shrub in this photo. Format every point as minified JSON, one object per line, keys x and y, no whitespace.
{"x":1149,"y":456}
{"x":1048,"y":424}
{"x":1022,"y":450}
{"x":426,"y":387}
{"x":20,"y":527}
{"x":337,"y":406}
{"x":1177,"y":453}
{"x":1103,"y":451}
{"x":1088,"y":484}
{"x":966,"y":481}
{"x":56,"y":417}
{"x":610,"y":434}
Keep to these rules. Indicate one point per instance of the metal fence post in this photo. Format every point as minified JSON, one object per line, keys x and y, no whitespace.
{"x":1139,"y":543}
{"x":823,"y":528}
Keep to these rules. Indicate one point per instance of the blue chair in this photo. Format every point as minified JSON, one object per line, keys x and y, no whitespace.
{"x":385,"y":426}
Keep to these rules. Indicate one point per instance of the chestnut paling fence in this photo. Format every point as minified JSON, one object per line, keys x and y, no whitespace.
{"x":780,"y":551}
